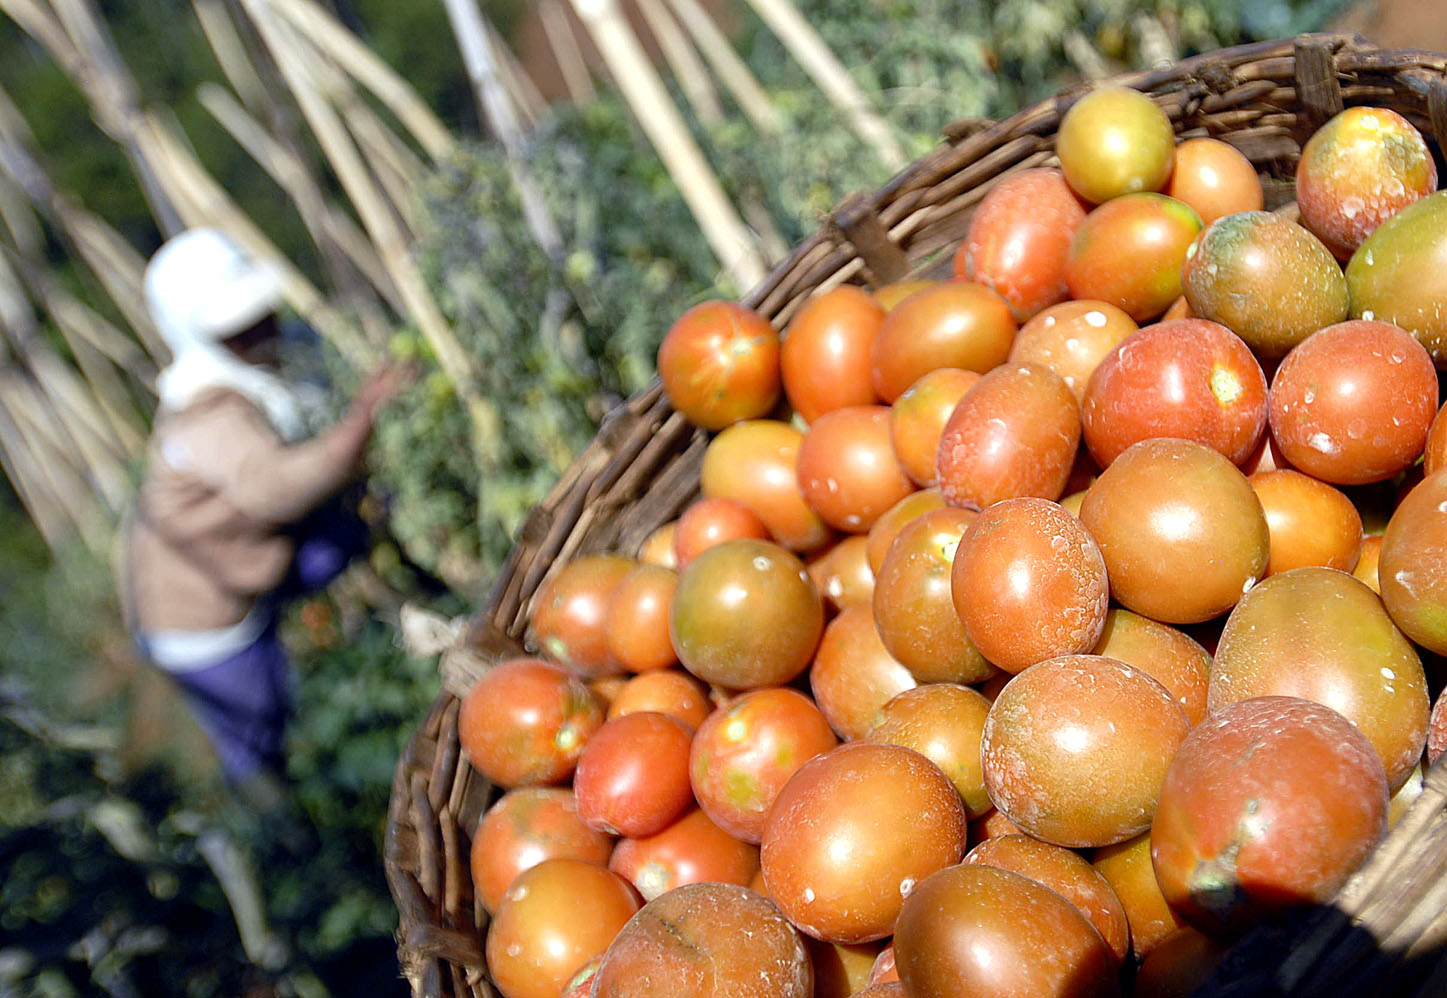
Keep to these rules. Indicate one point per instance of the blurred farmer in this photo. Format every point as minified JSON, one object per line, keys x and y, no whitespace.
{"x":237,"y":509}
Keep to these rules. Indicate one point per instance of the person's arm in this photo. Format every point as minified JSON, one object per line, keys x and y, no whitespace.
{"x":238,"y":454}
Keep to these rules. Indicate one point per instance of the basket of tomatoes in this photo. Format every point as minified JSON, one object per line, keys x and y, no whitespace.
{"x":1035,"y":587}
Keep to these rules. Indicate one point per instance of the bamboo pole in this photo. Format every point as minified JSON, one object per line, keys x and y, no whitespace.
{"x":732,"y":71}
{"x":76,"y":412}
{"x":327,"y":225}
{"x":566,"y":52}
{"x":230,"y":52}
{"x":830,"y":76}
{"x":202,"y":201}
{"x":455,"y":363}
{"x":396,"y":169}
{"x":687,"y":69}
{"x":45,"y":510}
{"x":329,"y":36}
{"x":520,"y":86}
{"x":725,"y":232}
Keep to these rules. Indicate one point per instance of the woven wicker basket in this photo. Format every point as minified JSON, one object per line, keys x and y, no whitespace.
{"x":1384,"y":934}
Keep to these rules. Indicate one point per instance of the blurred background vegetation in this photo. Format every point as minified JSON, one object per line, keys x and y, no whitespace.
{"x":120,"y":847}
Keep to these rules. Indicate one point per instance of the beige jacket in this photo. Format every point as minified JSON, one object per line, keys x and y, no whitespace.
{"x":220,"y":486}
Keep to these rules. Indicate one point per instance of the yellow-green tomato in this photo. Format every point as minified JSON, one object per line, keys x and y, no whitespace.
{"x":1115,"y":141}
{"x":1399,"y":274}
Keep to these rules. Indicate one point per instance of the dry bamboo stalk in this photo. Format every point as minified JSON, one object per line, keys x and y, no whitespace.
{"x":830,"y":76}
{"x":566,"y":52}
{"x":202,"y":201}
{"x":79,"y":415}
{"x":732,"y":71}
{"x":394,"y":166}
{"x":684,"y":61}
{"x":119,"y":268}
{"x":18,"y":216}
{"x":368,"y":69}
{"x":520,"y":86}
{"x":113,"y":96}
{"x":331,"y":226}
{"x":381,"y":225}
{"x":25,"y":475}
{"x":641,"y":87}
{"x":230,"y":52}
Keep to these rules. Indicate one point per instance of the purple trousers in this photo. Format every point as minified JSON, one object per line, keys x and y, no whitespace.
{"x":242,"y":702}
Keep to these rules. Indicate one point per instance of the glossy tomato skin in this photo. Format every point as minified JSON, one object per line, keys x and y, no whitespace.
{"x":746,"y":614}
{"x":1271,"y":803}
{"x":913,"y":608}
{"x":854,"y":675}
{"x":1068,"y":874}
{"x":712,"y":520}
{"x":888,"y":809}
{"x":842,"y":573}
{"x":1179,"y":965}
{"x":1215,"y":179}
{"x":1188,"y":378}
{"x":1152,"y":231}
{"x":1434,"y":457}
{"x":918,"y":417}
{"x":1353,"y":403}
{"x":942,"y":722}
{"x":841,"y":971}
{"x":632,"y":779}
{"x":1266,"y":279}
{"x":526,"y":721}
{"x":1169,"y":656}
{"x":888,"y":526}
{"x":746,"y":751}
{"x":1115,"y":141}
{"x":525,"y":827}
{"x":1126,"y":866}
{"x":664,"y":691}
{"x":1181,"y":530}
{"x":953,"y":324}
{"x":1411,"y":568}
{"x":1019,"y":240}
{"x":1397,"y":275}
{"x":1075,"y":749}
{"x":847,"y":468}
{"x":974,"y":929}
{"x":570,"y":613}
{"x":1014,"y":434}
{"x":1311,"y":523}
{"x":553,"y":919}
{"x":1072,"y":338}
{"x":635,"y":626}
{"x":825,"y":355}
{"x":1358,"y":170}
{"x":709,"y":941}
{"x":719,"y":363}
{"x":692,"y":850}
{"x":1029,"y":583}
{"x":756,"y":463}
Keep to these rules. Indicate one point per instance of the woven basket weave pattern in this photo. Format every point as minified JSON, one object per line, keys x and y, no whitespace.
{"x":643,"y":467}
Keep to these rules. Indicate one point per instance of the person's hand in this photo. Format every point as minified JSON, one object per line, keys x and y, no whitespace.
{"x":382,"y":385}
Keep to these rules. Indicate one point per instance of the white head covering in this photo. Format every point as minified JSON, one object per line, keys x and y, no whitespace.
{"x":201,"y":288}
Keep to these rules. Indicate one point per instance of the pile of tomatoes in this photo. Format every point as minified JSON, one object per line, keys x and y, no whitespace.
{"x":1037,"y":632}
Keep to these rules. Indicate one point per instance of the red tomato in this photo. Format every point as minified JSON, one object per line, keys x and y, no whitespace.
{"x":1270,"y":803}
{"x":842,"y":573}
{"x":570,"y":613}
{"x":1353,"y":403}
{"x":636,"y":625}
{"x":719,"y":364}
{"x":1019,"y":239}
{"x":1189,"y":378}
{"x":847,"y":468}
{"x":825,"y":355}
{"x":632,"y":778}
{"x":665,"y":691}
{"x":954,"y":324}
{"x":1153,"y":232}
{"x":525,"y":827}
{"x":1215,"y":179}
{"x":525,"y":721}
{"x":756,"y":463}
{"x":918,"y":417}
{"x":1411,"y":567}
{"x":1014,"y":434}
{"x":1311,"y":523}
{"x":692,"y":850}
{"x":853,"y":674}
{"x":1071,"y":339}
{"x":713,"y":520}
{"x":942,"y":722}
{"x":745,"y":752}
